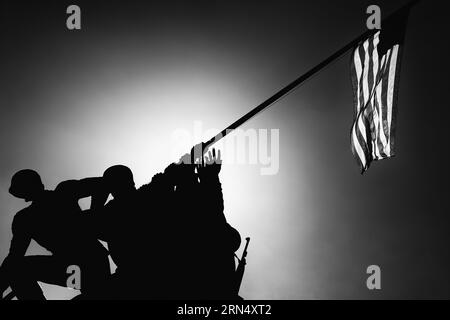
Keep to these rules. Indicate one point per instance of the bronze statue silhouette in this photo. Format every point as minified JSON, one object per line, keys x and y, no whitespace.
{"x":169,"y":239}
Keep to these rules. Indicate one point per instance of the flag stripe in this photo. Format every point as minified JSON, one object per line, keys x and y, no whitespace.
{"x":365,"y":83}
{"x":391,"y":85}
{"x":357,"y":67}
{"x":385,"y":91}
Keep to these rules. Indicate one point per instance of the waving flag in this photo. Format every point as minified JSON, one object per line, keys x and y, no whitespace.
{"x":375,"y":70}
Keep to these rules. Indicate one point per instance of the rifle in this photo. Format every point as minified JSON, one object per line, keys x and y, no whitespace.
{"x":239,"y":274}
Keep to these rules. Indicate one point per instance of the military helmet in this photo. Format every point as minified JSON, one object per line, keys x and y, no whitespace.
{"x":119,"y":175}
{"x":25,"y":184}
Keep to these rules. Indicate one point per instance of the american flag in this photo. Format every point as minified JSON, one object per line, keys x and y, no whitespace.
{"x":375,"y":70}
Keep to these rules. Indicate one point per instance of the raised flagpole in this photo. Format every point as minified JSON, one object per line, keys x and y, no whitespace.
{"x":299,"y":81}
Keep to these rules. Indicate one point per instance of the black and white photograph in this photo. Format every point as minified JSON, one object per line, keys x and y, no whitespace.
{"x":224,"y":150}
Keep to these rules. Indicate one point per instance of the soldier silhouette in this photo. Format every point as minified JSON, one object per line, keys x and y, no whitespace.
{"x":54,"y":221}
{"x":205,"y":230}
{"x":222,"y":240}
{"x":197,"y":224}
{"x":139,"y":227}
{"x":123,"y":224}
{"x":153,"y":232}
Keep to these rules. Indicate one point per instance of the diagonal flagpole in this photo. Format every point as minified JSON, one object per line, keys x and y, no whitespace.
{"x":299,"y":81}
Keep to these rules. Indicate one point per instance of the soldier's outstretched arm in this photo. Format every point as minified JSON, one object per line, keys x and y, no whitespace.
{"x":88,"y":187}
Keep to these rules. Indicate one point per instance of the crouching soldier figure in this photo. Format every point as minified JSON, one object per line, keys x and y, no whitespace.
{"x":54,"y":221}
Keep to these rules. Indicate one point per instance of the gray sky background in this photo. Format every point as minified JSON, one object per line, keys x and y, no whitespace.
{"x":75,"y":102}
